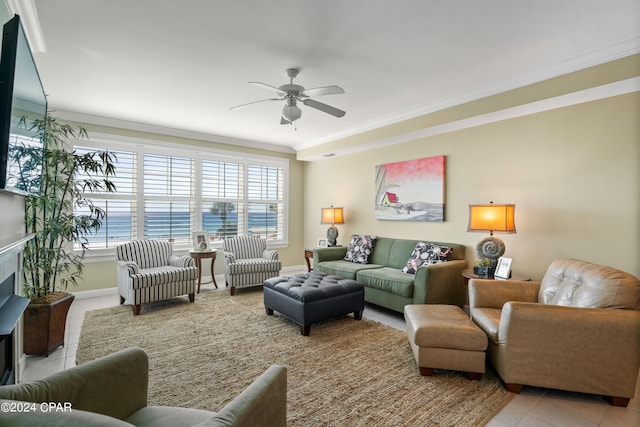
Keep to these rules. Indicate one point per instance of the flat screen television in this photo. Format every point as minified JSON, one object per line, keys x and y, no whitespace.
{"x":22,"y":100}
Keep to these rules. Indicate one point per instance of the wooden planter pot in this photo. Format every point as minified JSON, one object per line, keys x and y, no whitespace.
{"x":45,"y":324}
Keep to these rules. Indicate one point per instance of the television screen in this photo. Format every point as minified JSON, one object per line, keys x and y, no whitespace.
{"x":22,"y":100}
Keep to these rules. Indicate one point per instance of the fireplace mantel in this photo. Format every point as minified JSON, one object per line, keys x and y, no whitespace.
{"x":12,"y":305}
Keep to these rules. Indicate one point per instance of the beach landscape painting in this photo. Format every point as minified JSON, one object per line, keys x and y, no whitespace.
{"x":412,"y":190}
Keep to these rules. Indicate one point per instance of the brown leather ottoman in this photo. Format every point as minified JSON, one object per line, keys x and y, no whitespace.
{"x":444,"y":337}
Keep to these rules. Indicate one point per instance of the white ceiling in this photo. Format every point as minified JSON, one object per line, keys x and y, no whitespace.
{"x":183,"y":64}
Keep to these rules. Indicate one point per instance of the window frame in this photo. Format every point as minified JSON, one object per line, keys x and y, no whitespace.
{"x":198,"y":153}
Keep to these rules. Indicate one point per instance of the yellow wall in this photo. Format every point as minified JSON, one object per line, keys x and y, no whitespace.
{"x":573,"y":174}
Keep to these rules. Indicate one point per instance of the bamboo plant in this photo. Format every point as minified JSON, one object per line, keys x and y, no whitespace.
{"x":50,"y":262}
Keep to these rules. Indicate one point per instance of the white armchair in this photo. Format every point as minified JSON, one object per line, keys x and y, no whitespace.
{"x":248,"y":262}
{"x":148,"y":271}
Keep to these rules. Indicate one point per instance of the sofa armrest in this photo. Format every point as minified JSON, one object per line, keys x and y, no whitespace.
{"x":495,"y":293}
{"x":270,"y":254}
{"x":569,"y":345}
{"x":328,"y":254}
{"x":115,"y":385}
{"x":441,"y":284}
{"x":262,"y":404}
{"x":183,"y":261}
{"x":130,"y":267}
{"x":229,"y":257}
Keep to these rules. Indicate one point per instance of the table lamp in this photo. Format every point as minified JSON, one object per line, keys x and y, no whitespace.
{"x":332,"y":216}
{"x":491,"y":218}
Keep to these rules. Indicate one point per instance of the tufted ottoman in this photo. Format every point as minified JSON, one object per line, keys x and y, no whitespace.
{"x":444,"y":337}
{"x":311,"y":297}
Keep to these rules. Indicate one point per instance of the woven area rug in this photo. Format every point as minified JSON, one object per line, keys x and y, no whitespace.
{"x":346,"y":373}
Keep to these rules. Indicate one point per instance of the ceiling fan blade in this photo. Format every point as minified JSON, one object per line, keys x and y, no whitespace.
{"x":268,"y":87}
{"x":324,"y":90}
{"x":255,"y":102}
{"x":324,"y":107}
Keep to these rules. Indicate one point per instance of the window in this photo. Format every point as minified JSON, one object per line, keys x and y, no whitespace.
{"x":167,"y":192}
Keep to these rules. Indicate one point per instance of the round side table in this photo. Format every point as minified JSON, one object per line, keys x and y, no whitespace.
{"x":198,"y":256}
{"x":468,"y":274}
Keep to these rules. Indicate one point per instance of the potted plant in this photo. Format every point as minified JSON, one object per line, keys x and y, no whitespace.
{"x":483,"y":268}
{"x":50,"y":262}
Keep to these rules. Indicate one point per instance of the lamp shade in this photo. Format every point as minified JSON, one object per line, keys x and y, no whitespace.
{"x":492,"y":217}
{"x":332,"y":216}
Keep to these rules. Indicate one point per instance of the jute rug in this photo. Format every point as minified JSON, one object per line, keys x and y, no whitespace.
{"x":346,"y":373}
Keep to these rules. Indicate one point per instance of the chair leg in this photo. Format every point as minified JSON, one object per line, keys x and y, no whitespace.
{"x":617,"y":401}
{"x":427,"y":372}
{"x":232,"y":291}
{"x":192,"y":297}
{"x":136,"y":309}
{"x":513,"y":388}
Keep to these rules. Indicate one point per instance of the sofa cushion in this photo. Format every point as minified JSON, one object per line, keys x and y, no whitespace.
{"x":168,"y":416}
{"x":360,"y":248}
{"x":388,"y":279}
{"x":346,"y":269}
{"x":426,"y":253}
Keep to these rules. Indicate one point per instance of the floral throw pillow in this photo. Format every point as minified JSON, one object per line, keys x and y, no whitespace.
{"x":424,"y":254}
{"x":360,"y":248}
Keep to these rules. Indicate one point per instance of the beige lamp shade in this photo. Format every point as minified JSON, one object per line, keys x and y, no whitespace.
{"x":492,"y":217}
{"x":332,"y":216}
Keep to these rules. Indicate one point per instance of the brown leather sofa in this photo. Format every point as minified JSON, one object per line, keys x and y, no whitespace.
{"x":577,"y":330}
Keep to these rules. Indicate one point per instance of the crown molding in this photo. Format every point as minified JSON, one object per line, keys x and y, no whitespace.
{"x":30,"y":22}
{"x":587,"y":95}
{"x":579,"y":62}
{"x":162,"y":130}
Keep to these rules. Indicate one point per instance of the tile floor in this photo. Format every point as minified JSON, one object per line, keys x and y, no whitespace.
{"x":533,"y":407}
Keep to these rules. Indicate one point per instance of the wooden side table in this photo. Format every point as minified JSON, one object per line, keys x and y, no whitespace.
{"x":308,"y":253}
{"x":468,"y":274}
{"x":198,"y":256}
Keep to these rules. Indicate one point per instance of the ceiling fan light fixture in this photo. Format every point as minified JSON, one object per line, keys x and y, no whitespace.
{"x":291,"y":112}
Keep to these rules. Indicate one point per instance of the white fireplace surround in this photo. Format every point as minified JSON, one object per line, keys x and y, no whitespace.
{"x":11,"y":264}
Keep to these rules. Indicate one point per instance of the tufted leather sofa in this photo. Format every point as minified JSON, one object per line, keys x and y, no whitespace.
{"x":577,"y":330}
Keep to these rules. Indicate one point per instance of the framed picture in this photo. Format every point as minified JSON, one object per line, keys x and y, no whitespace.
{"x":201,"y":241}
{"x":503,"y":269}
{"x":323,"y":243}
{"x":411,"y":190}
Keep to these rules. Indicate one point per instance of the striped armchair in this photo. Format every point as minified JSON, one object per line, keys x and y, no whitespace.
{"x":247,"y":262}
{"x":147,"y":272}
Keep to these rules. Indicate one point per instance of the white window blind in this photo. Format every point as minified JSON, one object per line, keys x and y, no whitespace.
{"x":169,"y":192}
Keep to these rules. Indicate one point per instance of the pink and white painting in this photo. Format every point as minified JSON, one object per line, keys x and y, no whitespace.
{"x":412,"y":190}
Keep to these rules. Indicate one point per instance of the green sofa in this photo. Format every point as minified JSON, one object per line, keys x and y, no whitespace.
{"x":112,"y":391}
{"x":384,"y":282}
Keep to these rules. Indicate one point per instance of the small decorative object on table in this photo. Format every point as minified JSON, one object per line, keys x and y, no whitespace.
{"x":201,"y":241}
{"x":503,"y":270}
{"x":483,"y":268}
{"x":323,"y":243}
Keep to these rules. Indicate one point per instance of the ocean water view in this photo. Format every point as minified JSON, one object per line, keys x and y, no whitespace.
{"x":118,"y":228}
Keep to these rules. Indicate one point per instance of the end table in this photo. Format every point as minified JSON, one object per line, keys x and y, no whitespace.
{"x":198,"y":256}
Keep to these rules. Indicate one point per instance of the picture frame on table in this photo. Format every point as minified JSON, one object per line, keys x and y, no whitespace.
{"x":201,"y":242}
{"x":503,"y":269}
{"x":323,"y":243}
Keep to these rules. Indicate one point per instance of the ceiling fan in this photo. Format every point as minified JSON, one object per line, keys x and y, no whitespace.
{"x":292,"y":93}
